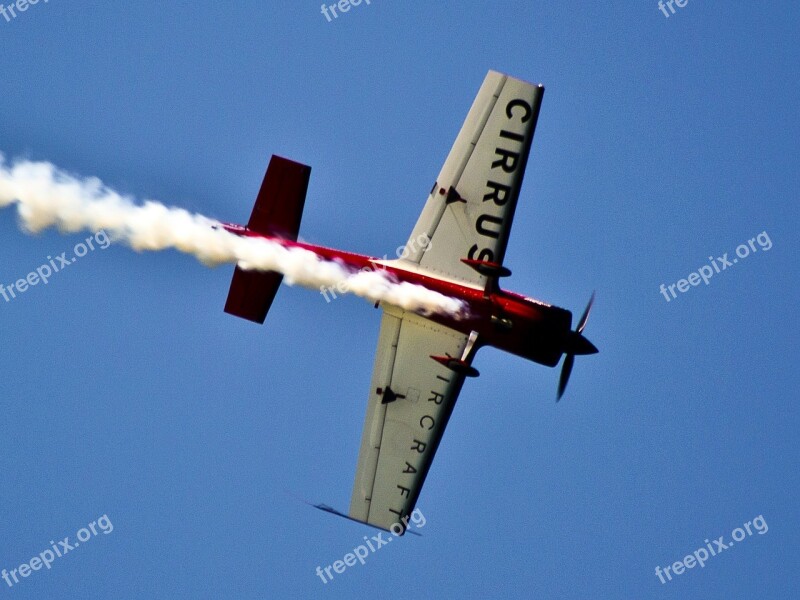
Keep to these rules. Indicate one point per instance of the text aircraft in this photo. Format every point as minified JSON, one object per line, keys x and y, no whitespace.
{"x":422,"y":360}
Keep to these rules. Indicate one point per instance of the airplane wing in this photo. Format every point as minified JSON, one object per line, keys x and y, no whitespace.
{"x":470,"y":209}
{"x":410,"y":401}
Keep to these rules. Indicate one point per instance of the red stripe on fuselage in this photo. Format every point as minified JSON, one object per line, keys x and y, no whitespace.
{"x":536,"y":331}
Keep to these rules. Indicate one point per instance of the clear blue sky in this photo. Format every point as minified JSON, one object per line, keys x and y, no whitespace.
{"x":126,"y":391}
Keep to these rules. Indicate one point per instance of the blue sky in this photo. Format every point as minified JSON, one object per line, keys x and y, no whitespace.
{"x":127,"y":392}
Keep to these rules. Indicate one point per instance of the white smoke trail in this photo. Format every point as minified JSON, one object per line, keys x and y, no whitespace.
{"x":48,"y":197}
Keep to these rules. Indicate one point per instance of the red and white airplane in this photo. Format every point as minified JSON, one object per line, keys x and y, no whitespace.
{"x":423,"y":360}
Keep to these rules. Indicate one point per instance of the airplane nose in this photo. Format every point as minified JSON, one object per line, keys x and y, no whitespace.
{"x":578,"y":345}
{"x":586,"y":347}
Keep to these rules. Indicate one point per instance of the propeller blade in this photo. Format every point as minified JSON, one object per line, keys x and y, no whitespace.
{"x":575,"y":343}
{"x":585,"y":316}
{"x":566,"y":370}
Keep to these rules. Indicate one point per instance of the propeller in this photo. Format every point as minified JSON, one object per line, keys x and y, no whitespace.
{"x":575,"y":344}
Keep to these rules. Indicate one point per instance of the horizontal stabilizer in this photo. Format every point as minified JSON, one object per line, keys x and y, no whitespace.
{"x":279,"y":205}
{"x":277,"y":212}
{"x":252,"y":293}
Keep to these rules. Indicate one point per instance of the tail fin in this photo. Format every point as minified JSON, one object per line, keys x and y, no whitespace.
{"x":278,"y":211}
{"x":280,"y":201}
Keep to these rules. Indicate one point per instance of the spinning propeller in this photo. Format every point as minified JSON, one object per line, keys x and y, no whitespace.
{"x":575,"y":344}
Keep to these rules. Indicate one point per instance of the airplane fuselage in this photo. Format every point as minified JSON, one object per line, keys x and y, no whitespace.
{"x":505,"y":320}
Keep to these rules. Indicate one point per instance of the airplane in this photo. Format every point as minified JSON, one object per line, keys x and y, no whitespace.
{"x":422,"y":360}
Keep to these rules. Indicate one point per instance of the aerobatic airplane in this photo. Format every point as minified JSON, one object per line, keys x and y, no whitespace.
{"x":422,"y":360}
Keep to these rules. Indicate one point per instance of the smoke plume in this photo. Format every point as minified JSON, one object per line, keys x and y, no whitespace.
{"x":46,"y":196}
